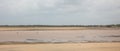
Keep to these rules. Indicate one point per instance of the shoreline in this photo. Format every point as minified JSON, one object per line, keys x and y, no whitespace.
{"x":15,"y":43}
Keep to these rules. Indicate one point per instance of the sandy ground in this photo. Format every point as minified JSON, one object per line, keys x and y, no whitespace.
{"x":63,"y":47}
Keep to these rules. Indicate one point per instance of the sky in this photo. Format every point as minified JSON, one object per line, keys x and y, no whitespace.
{"x":59,"y":12}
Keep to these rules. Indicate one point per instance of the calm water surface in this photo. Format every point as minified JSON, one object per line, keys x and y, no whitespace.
{"x":61,"y":36}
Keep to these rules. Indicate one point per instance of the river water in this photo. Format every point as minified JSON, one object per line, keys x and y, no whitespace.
{"x":61,"y":36}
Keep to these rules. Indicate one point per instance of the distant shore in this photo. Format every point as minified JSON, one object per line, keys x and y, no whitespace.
{"x":55,"y":28}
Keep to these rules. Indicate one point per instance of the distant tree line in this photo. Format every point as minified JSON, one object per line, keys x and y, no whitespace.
{"x":112,"y":25}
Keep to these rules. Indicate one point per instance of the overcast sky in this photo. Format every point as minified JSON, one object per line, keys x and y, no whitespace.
{"x":59,"y":12}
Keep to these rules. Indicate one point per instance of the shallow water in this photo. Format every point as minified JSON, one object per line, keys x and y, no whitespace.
{"x":61,"y":36}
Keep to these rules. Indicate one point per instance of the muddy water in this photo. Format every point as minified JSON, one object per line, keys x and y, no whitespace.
{"x":61,"y":36}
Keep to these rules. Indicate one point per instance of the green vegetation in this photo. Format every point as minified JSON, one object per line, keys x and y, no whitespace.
{"x":112,"y":25}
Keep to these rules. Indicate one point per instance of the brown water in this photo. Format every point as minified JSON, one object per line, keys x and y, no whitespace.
{"x":61,"y":36}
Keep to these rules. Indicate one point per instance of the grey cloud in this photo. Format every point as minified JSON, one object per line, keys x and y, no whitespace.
{"x":60,"y":11}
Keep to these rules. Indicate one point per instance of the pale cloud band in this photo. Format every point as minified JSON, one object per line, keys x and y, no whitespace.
{"x":59,"y":11}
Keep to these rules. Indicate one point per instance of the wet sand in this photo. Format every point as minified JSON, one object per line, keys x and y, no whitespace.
{"x":63,"y":47}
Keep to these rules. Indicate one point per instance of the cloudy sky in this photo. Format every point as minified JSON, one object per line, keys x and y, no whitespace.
{"x":59,"y":12}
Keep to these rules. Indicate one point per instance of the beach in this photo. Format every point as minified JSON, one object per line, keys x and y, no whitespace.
{"x":62,"y":47}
